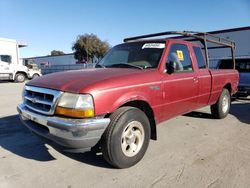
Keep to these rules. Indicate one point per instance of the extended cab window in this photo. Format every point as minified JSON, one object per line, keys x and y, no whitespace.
{"x":179,"y":59}
{"x":199,"y":57}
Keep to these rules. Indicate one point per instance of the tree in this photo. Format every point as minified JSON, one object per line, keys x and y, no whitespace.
{"x":88,"y":46}
{"x":56,"y":52}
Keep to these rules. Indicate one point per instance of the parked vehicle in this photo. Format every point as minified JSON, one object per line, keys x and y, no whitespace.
{"x":243,"y":66}
{"x":11,"y":67}
{"x":137,"y":85}
{"x":33,"y":70}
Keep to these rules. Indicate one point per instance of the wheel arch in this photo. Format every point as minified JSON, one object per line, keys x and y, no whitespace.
{"x":146,"y":108}
{"x":228,"y":86}
{"x":22,"y":72}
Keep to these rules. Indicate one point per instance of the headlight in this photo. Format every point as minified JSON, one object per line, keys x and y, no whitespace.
{"x":75,"y":105}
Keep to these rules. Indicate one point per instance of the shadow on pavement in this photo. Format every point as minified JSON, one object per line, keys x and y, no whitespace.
{"x":17,"y":139}
{"x":241,"y":110}
{"x":197,"y":114}
{"x":3,"y":81}
{"x":94,"y":158}
{"x":6,"y":81}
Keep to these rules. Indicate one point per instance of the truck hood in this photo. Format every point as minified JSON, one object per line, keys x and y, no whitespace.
{"x":76,"y":81}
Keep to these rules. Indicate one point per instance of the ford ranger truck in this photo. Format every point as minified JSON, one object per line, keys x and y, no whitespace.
{"x":118,"y":104}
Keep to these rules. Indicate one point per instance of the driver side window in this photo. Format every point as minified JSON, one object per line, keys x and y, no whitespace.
{"x":5,"y":58}
{"x":178,"y":59}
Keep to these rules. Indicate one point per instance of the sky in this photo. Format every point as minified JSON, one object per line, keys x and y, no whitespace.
{"x":47,"y":25}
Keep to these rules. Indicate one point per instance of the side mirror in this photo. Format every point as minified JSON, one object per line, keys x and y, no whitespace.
{"x":170,"y":67}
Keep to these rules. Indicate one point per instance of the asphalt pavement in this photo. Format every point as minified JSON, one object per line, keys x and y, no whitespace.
{"x":193,"y":150}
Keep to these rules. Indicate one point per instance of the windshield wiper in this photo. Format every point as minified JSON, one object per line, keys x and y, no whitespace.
{"x":121,"y":65}
{"x":99,"y":66}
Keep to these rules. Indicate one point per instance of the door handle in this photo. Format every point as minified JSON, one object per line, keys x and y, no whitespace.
{"x":196,"y":80}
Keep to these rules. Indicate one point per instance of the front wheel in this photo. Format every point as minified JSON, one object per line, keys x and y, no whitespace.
{"x":221,"y":108}
{"x":20,"y":77}
{"x":126,"y":139}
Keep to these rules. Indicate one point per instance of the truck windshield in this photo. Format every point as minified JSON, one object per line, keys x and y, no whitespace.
{"x":139,"y":55}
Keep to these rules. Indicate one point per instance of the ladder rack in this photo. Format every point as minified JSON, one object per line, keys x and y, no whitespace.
{"x":203,"y":37}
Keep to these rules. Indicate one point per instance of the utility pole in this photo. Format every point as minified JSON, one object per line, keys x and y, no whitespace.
{"x":87,"y":51}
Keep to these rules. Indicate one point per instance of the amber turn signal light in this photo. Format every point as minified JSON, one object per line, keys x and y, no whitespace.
{"x":75,"y":113}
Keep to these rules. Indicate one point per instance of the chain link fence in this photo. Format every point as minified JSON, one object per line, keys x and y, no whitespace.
{"x":59,"y":68}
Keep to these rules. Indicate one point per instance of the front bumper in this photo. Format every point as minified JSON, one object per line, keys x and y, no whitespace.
{"x":75,"y":135}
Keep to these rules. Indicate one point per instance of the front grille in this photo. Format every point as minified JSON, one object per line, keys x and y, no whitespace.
{"x":40,"y":99}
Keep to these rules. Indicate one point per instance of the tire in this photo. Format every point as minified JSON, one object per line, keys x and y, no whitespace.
{"x":35,"y":76}
{"x":126,"y":139}
{"x":221,"y":108}
{"x":20,"y":77}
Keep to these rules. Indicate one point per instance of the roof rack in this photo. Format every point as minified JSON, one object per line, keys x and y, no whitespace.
{"x":203,"y":37}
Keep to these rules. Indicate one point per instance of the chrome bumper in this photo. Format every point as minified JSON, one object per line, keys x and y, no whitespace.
{"x":76,"y":135}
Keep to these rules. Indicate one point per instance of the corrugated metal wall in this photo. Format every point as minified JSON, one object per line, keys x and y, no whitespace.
{"x":242,"y":41}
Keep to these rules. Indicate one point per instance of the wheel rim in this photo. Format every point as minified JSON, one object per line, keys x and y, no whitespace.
{"x":132,"y":138}
{"x":20,"y":78}
{"x":35,"y":76}
{"x":225,"y":104}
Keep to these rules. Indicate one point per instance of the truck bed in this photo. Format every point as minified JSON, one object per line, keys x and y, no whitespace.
{"x":220,"y":78}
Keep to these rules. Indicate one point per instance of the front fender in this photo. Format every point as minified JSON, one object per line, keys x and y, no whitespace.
{"x":108,"y":102}
{"x":129,"y":97}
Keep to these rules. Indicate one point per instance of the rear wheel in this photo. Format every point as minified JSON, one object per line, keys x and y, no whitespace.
{"x":35,"y":76}
{"x":221,"y":108}
{"x":20,"y":77}
{"x":126,"y":139}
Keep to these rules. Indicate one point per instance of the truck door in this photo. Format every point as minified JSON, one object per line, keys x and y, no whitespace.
{"x":204,"y":78}
{"x":5,"y":67}
{"x":180,"y":82}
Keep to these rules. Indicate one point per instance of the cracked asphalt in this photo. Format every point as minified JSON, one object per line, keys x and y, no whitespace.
{"x":193,"y":150}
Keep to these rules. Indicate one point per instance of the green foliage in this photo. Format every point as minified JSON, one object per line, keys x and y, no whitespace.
{"x":56,"y":52}
{"x":88,"y":46}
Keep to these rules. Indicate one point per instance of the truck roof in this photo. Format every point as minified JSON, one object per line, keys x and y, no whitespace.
{"x":161,"y":40}
{"x":19,"y":43}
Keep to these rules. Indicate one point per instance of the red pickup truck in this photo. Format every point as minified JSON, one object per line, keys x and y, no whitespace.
{"x":118,"y":104}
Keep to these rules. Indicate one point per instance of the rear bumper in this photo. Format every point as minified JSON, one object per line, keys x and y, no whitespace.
{"x":74,"y":135}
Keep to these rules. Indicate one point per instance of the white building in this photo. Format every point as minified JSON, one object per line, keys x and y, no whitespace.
{"x":66,"y":59}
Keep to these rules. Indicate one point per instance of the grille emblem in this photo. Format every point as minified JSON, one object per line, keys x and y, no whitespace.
{"x":34,"y":100}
